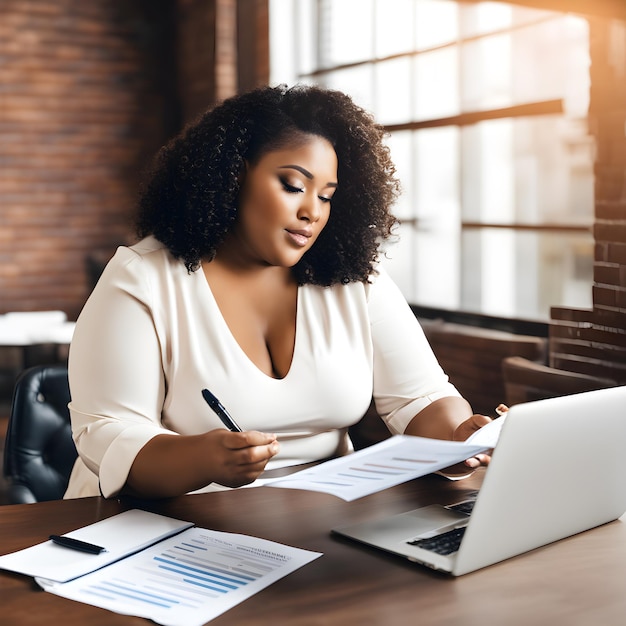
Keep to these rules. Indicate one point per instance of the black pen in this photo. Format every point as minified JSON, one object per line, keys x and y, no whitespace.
{"x":76,"y":544}
{"x":220,"y":411}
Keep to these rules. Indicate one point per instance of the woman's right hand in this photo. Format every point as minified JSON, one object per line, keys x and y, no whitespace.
{"x":172,"y":465}
{"x":239,"y":458}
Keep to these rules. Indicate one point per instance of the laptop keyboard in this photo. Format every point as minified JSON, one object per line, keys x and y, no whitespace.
{"x":463,"y":507}
{"x":448,"y":542}
{"x":444,"y":544}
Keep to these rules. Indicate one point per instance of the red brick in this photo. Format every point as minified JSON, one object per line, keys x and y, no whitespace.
{"x":82,"y":109}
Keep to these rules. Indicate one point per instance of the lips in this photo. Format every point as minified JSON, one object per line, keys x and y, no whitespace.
{"x":299,"y":237}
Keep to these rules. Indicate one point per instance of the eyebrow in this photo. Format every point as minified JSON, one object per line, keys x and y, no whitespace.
{"x":304,"y":172}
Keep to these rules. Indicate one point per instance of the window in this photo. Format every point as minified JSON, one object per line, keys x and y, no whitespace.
{"x":486,"y":107}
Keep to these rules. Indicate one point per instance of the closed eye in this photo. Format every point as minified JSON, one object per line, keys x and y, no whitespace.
{"x":290,"y":188}
{"x":293,"y":189}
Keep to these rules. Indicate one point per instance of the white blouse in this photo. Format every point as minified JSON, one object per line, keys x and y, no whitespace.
{"x":151,"y":337}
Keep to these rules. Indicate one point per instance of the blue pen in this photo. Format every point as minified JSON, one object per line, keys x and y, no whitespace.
{"x":220,"y":411}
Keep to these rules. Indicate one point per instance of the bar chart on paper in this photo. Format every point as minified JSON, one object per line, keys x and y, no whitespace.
{"x":187,"y":579}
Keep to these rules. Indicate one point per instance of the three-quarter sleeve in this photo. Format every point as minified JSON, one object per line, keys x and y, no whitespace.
{"x":116,"y":376}
{"x":407,"y":375}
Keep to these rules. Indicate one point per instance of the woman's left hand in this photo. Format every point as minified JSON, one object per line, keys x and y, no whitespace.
{"x":466,"y":429}
{"x":470,"y":426}
{"x":438,"y":420}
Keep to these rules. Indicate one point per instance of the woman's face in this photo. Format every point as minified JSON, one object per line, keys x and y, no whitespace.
{"x":285,"y":203}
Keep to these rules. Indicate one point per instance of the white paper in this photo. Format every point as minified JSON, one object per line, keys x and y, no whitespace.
{"x":396,"y":460}
{"x":487,"y":435}
{"x":188,"y":579}
{"x":121,"y":535}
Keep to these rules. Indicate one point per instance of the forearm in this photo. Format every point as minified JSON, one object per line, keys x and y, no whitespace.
{"x":440,"y":419}
{"x":168,"y":466}
{"x":171,"y":465}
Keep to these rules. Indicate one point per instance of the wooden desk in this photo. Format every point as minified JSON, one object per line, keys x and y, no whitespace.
{"x":580,"y":580}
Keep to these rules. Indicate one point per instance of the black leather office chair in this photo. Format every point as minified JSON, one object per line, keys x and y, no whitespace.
{"x":39,"y":452}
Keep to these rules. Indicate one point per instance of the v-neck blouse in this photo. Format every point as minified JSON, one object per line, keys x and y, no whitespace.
{"x":151,"y":337}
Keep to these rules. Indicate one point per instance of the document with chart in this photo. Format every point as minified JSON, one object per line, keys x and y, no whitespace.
{"x":188,"y":579}
{"x":396,"y":460}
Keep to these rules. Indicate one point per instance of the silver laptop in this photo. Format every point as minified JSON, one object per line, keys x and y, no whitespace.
{"x":558,"y":469}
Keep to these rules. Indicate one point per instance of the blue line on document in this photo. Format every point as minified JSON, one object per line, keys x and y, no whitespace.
{"x":164,"y":603}
{"x":220,"y":584}
{"x":236,"y":581}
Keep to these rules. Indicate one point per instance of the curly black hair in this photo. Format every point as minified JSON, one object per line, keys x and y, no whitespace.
{"x":190,"y":201}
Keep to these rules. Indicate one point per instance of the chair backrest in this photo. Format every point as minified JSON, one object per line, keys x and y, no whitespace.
{"x":39,"y":452}
{"x":526,"y":381}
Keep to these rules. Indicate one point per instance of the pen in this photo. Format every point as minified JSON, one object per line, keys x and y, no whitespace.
{"x":220,"y":411}
{"x":76,"y":544}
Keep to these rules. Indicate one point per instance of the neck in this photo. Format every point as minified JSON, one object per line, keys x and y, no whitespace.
{"x":237,"y":270}
{"x":231,"y":258}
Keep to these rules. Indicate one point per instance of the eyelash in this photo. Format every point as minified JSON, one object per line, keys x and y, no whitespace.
{"x":291,"y":189}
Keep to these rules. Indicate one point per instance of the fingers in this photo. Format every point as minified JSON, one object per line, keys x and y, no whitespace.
{"x":247,"y":439}
{"x":465,"y":429}
{"x":251,"y":447}
{"x":478,"y":461}
{"x":470,"y":426}
{"x":241,"y":456}
{"x":478,"y":421}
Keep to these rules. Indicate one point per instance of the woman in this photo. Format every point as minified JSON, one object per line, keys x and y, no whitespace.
{"x":256,"y":277}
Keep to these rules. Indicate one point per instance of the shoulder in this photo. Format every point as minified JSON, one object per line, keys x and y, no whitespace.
{"x":146,"y":266}
{"x":149,"y":254}
{"x":378,"y":287}
{"x":148,"y":250}
{"x":380,"y":282}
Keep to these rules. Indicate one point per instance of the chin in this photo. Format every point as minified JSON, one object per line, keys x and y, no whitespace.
{"x":290,"y":260}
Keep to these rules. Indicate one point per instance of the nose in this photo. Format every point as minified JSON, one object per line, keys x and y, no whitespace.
{"x":310,"y":208}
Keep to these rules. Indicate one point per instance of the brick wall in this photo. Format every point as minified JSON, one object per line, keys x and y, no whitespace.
{"x":594,"y":341}
{"x":88,"y":92}
{"x":83,"y":105}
